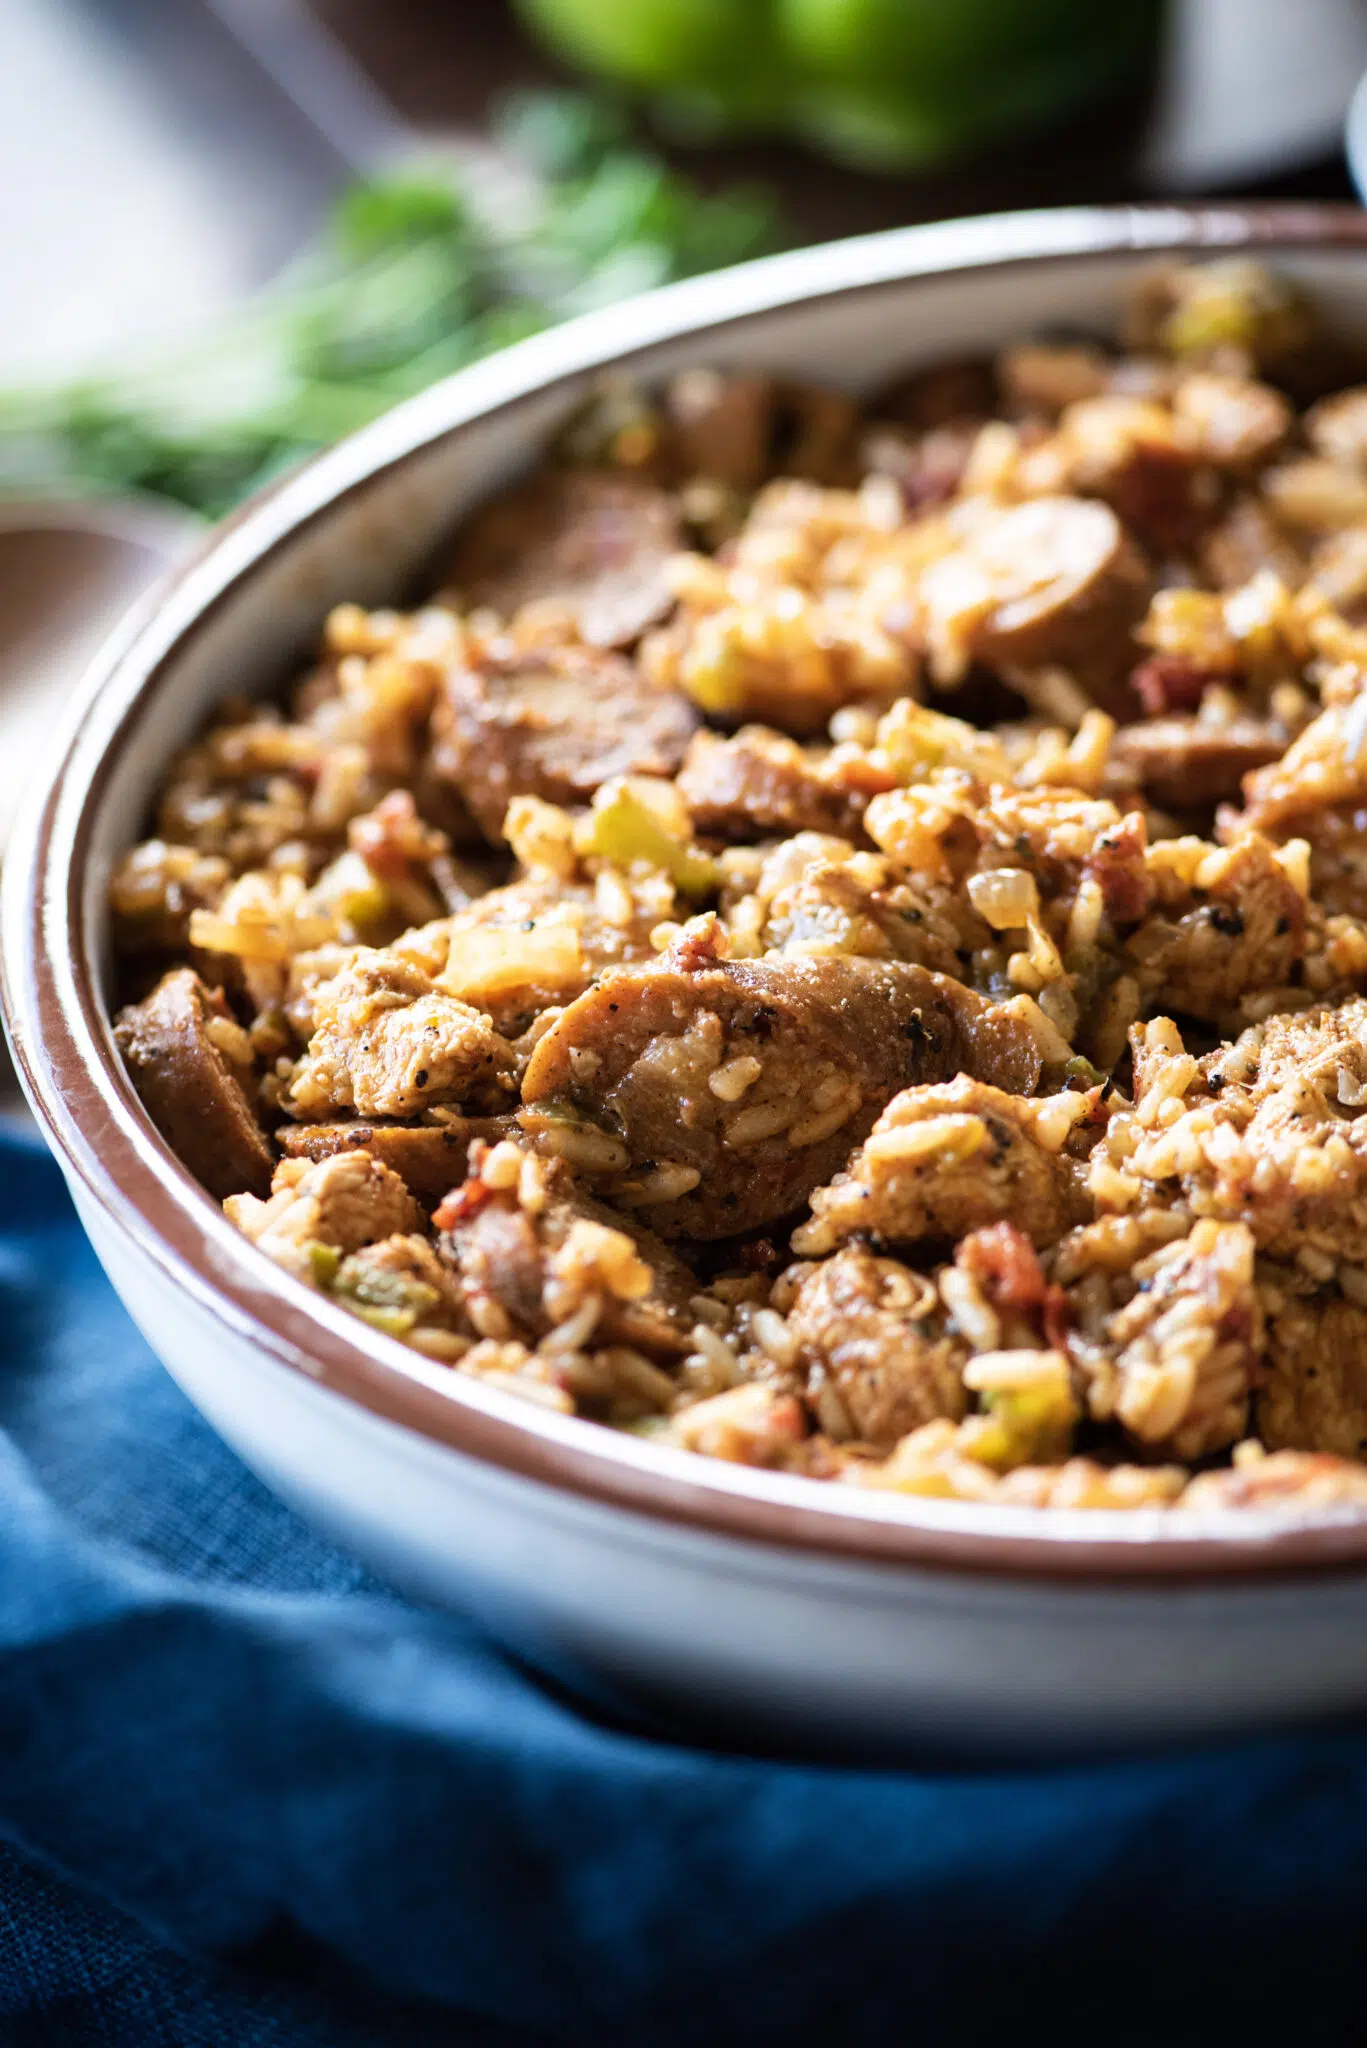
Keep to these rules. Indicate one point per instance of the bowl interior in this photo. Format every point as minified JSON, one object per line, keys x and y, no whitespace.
{"x":362,"y":523}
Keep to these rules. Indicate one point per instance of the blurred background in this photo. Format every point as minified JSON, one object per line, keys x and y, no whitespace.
{"x":235,"y":229}
{"x":166,"y":159}
{"x":156,"y":173}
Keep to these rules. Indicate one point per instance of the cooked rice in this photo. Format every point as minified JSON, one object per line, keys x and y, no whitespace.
{"x":1060,"y":701}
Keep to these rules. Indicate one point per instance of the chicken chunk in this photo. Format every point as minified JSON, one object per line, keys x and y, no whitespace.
{"x":1326,"y":764}
{"x":1267,"y":1132}
{"x":746,"y":1425}
{"x":1181,"y":1358}
{"x":1231,"y":422}
{"x":818,"y":896}
{"x":1337,"y":428}
{"x":535,"y":1254}
{"x":717,"y":1095}
{"x":1244,"y":933}
{"x":400,"y":1286}
{"x":387,"y":1043}
{"x":340,"y":1203}
{"x":191,"y":1065}
{"x":1337,"y":844}
{"x":556,"y":724}
{"x":945,"y":1160}
{"x":1314,"y":1397}
{"x":875,"y":1333}
{"x":591,"y":544}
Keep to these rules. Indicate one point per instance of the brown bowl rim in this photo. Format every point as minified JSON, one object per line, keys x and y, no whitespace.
{"x":107,"y":1147}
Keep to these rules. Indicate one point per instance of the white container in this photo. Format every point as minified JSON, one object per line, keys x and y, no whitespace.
{"x":813,"y":1614}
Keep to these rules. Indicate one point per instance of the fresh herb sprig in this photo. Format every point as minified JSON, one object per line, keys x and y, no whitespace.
{"x":417,"y":274}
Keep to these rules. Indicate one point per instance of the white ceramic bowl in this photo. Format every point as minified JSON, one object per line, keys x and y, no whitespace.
{"x":810,"y":1613}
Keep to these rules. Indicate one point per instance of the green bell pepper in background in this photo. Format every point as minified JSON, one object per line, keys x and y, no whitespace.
{"x":884,"y":84}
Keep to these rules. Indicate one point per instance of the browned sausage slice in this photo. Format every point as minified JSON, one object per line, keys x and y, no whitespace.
{"x":714,"y":1101}
{"x":190,"y":1087}
{"x":554,"y":725}
{"x":757,"y":782}
{"x":596,"y":542}
{"x":430,"y":1158}
{"x":1054,"y":580}
{"x":1184,"y":764}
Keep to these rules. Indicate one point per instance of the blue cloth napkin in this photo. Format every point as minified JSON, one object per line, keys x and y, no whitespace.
{"x":249,"y":1797}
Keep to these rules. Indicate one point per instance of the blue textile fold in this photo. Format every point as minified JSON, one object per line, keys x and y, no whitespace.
{"x":249,"y":1796}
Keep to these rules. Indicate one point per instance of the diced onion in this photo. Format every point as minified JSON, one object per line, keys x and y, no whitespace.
{"x":488,"y":960}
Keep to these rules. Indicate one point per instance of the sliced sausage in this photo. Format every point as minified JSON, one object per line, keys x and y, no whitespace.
{"x":715,"y":1100}
{"x":1054,"y":580}
{"x":555,"y":725}
{"x":429,"y":1158}
{"x":1129,"y":452}
{"x":756,"y":782}
{"x":1182,"y":764}
{"x":596,"y":542}
{"x":191,"y":1089}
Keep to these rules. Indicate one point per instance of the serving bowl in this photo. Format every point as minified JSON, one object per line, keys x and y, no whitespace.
{"x":862,"y":1621}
